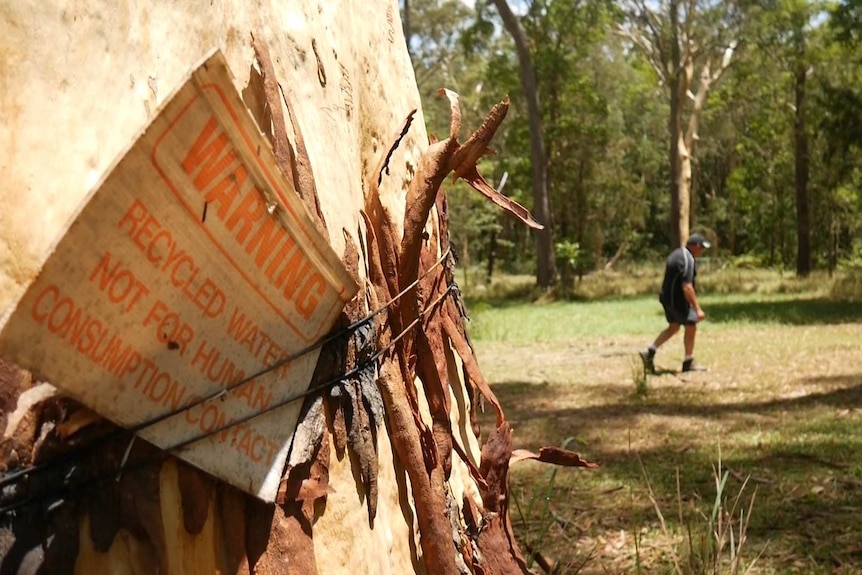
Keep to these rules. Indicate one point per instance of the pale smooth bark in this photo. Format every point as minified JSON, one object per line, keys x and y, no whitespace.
{"x":665,"y":35}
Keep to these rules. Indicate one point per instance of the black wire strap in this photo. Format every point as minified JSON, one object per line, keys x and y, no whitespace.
{"x":292,"y":357}
{"x":136,"y":429}
{"x":322,"y":387}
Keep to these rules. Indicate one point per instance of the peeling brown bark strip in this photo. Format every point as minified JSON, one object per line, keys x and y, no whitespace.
{"x":553,"y":455}
{"x":436,"y":538}
{"x":296,"y":166}
{"x":431,"y":357}
{"x":195,"y":491}
{"x":474,"y":471}
{"x":436,"y":392}
{"x":476,"y":145}
{"x":454,"y":112}
{"x":475,"y":179}
{"x":375,"y":267}
{"x":339,"y":425}
{"x":464,"y":160}
{"x":356,"y":405}
{"x":389,"y":240}
{"x":272,"y":109}
{"x":433,"y":167}
{"x":495,"y":467}
{"x":303,"y":174}
{"x":475,"y":398}
{"x":384,"y":164}
{"x":459,"y":342}
{"x":434,"y":528}
{"x":497,"y":540}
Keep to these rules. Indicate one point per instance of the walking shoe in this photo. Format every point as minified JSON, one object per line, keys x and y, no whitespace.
{"x":690,"y":365}
{"x":647,"y":355}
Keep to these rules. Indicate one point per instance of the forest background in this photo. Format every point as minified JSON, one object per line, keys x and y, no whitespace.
{"x":633,"y":122}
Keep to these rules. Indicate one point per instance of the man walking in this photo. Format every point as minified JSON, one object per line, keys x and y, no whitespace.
{"x":679,"y":299}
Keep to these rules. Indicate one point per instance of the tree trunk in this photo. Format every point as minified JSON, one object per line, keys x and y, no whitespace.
{"x":492,"y":254}
{"x":691,"y":139}
{"x":678,"y":206}
{"x":800,"y":135}
{"x":676,"y":75}
{"x":684,"y":192}
{"x":375,"y":481}
{"x":545,"y":261}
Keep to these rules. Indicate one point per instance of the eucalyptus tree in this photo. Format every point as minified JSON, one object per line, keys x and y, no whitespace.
{"x":690,"y":44}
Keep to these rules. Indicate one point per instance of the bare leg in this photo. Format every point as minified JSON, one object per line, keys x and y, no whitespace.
{"x":668,"y":333}
{"x":688,"y":338}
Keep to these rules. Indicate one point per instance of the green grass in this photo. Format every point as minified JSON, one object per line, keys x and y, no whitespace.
{"x":559,"y":321}
{"x":782,"y":402}
{"x":519,"y":322}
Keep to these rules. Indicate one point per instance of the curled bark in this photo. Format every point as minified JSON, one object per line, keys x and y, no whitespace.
{"x":295,"y":165}
{"x":428,"y":494}
{"x":553,"y":455}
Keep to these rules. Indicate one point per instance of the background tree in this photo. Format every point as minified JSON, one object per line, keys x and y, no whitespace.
{"x":768,"y":134}
{"x":545,"y":265}
{"x":689,"y":47}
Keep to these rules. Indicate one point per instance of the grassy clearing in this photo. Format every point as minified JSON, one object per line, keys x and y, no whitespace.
{"x":781,"y":407}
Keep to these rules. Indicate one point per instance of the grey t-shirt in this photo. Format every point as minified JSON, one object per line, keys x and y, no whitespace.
{"x":680,"y":269}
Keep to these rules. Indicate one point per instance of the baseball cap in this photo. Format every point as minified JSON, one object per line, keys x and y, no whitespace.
{"x":698,"y":240}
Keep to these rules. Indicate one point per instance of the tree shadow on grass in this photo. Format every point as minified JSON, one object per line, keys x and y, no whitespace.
{"x":809,"y":484}
{"x":804,"y":511}
{"x":511,"y":394}
{"x":789,"y":312}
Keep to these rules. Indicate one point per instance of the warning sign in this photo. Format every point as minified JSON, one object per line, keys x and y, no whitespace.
{"x":192,"y":267}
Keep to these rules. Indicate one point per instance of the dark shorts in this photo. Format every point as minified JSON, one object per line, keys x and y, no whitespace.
{"x":684,"y":316}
